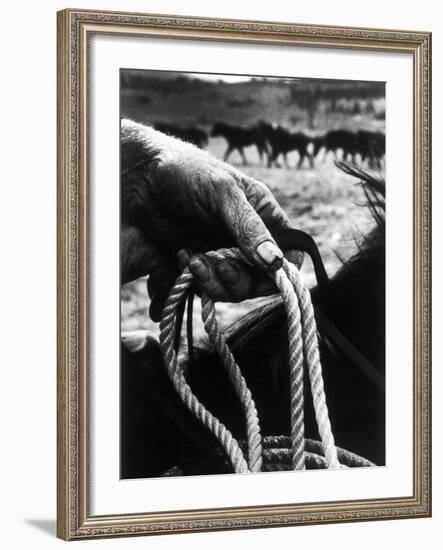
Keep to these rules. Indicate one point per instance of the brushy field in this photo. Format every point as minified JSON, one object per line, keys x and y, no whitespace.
{"x":324,"y":202}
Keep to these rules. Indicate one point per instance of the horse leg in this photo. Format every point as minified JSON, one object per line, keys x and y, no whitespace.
{"x":260,"y":153}
{"x":273,"y":159}
{"x":285,"y":158}
{"x":302,"y":155}
{"x":227,"y":153}
{"x":311,"y":160}
{"x":243,"y":156}
{"x":266,"y":153}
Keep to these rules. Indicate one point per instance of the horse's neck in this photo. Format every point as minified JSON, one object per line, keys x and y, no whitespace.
{"x":354,"y":300}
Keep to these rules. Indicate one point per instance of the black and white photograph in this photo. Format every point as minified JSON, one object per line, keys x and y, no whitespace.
{"x":243,"y":275}
{"x":252,"y":263}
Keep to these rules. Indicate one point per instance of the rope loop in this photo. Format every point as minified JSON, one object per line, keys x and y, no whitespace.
{"x":303,"y":349}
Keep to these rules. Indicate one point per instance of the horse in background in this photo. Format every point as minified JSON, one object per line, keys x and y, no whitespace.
{"x":239,"y":137}
{"x":282,"y":142}
{"x":370,"y":146}
{"x":335,"y":141}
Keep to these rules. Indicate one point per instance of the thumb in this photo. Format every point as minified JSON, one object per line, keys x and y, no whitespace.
{"x":248,"y":229}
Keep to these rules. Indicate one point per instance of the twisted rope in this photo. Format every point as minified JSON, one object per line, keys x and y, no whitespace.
{"x":296,"y":391}
{"x":310,"y":342}
{"x":239,"y":383}
{"x":276,"y":452}
{"x":302,"y":344}
{"x":175,"y":373}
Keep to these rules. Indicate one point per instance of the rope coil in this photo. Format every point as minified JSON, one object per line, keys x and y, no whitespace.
{"x":303,"y":347}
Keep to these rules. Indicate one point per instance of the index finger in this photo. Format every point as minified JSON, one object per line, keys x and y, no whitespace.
{"x":267,"y":207}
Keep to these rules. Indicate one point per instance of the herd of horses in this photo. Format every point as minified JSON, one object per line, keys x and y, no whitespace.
{"x":273,"y":142}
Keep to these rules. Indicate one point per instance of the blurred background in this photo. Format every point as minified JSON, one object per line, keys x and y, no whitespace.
{"x":320,"y":199}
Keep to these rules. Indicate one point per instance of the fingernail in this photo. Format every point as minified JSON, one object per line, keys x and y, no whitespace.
{"x":270,"y":254}
{"x":229,"y":272}
{"x":200,"y":269}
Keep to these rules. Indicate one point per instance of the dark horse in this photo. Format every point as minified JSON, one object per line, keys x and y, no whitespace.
{"x":371,"y":146}
{"x":238,"y":138}
{"x":281,"y":142}
{"x":160,"y":437}
{"x":197,"y":136}
{"x":336,"y":140}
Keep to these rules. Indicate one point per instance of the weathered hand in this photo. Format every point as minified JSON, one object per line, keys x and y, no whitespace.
{"x":179,"y":199}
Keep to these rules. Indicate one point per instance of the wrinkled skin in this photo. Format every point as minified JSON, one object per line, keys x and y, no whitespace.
{"x":177,"y":202}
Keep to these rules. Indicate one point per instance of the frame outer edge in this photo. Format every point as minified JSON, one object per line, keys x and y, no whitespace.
{"x":429,"y":318}
{"x":427,"y":275}
{"x":72,"y":516}
{"x":422,"y":284}
{"x":63,"y":391}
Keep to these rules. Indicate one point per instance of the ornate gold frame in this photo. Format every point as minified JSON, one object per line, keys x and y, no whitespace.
{"x":74,"y":518}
